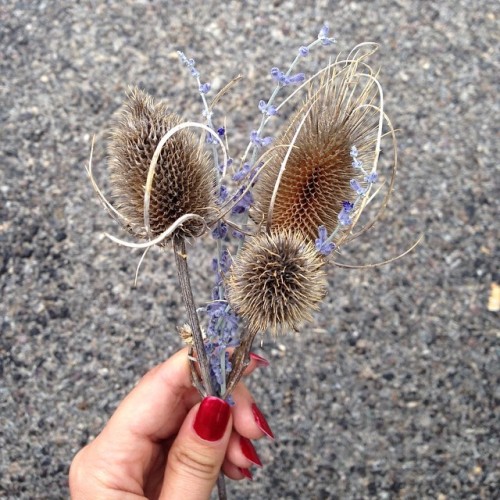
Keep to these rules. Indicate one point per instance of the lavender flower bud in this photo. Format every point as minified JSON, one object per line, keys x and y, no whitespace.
{"x":372,"y":177}
{"x":204,"y":88}
{"x":220,"y":231}
{"x":357,"y":188}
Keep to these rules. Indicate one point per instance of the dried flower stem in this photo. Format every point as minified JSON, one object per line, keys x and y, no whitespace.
{"x":187,"y":297}
{"x":203,"y":363}
{"x":221,"y":486}
{"x":240,"y":360}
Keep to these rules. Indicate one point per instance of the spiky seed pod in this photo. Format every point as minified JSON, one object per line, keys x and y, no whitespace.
{"x":184,"y":179}
{"x":318,"y":172}
{"x":276,"y":281}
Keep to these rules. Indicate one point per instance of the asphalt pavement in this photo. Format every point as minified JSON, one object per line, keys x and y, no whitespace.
{"x":392,"y":391}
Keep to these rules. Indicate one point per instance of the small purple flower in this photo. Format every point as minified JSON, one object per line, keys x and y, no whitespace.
{"x":214,"y":264}
{"x":243,"y":204}
{"x":256,"y":170}
{"x":296,"y":79}
{"x":356,"y":186}
{"x":267,"y":109}
{"x":275,"y":73}
{"x":283,"y":79}
{"x":225,"y":261}
{"x":221,"y":131}
{"x":344,"y":218}
{"x":260,"y":141}
{"x":271,"y":111}
{"x":322,"y":246}
{"x":347,"y":206}
{"x":189,"y":63}
{"x":220,"y":333}
{"x":216,"y":309}
{"x":238,"y":234}
{"x":371,"y":178}
{"x":242,"y":172}
{"x":323,"y":35}
{"x":254,"y":137}
{"x":303,"y":51}
{"x":354,"y":155}
{"x":220,"y":231}
{"x":222,"y":195}
{"x":215,"y":292}
{"x":357,"y":163}
{"x":204,"y":88}
{"x":323,"y":32}
{"x":279,"y":76}
{"x":228,"y":164}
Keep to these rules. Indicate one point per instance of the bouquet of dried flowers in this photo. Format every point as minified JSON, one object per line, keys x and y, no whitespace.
{"x":277,"y":215}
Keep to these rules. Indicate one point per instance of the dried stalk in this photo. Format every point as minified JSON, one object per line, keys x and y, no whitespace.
{"x":205,"y":386}
{"x":240,"y":360}
{"x":187,"y":297}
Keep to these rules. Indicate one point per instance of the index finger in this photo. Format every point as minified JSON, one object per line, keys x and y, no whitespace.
{"x":156,"y":407}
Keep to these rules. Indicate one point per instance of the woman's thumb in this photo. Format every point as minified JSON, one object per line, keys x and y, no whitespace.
{"x":195,"y":457}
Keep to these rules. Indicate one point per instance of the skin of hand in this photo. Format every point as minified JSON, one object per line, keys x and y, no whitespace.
{"x":162,"y":443}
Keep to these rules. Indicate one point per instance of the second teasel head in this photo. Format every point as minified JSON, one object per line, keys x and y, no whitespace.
{"x":184,"y":178}
{"x":276,"y":281}
{"x":316,"y":181}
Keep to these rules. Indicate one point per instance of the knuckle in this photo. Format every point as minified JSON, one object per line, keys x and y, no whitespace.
{"x":194,"y":463}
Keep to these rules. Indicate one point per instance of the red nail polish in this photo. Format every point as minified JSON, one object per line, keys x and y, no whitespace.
{"x":249,"y":451}
{"x":262,"y":362}
{"x":212,"y":418}
{"x":246,"y":473}
{"x":261,"y":421}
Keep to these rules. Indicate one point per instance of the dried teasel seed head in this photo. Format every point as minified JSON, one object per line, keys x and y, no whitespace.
{"x":316,"y":180}
{"x":183,"y":181}
{"x":276,"y":281}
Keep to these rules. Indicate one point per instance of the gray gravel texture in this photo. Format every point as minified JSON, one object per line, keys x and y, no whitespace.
{"x":393,"y":391}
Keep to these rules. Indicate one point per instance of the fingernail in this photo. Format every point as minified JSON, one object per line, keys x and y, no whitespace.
{"x":246,"y":473}
{"x":261,"y":421}
{"x":249,"y":451}
{"x":212,"y":418}
{"x":262,"y":362}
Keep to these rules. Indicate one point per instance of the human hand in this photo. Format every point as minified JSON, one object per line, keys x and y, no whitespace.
{"x":163,"y":443}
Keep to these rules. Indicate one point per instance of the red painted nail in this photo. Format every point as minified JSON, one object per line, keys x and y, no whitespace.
{"x":246,"y":473}
{"x":261,"y":421}
{"x":262,"y":362}
{"x":249,"y":451}
{"x":212,"y":418}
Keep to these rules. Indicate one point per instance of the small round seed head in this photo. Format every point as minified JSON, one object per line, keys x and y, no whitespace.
{"x":318,"y":172}
{"x":183,"y":181}
{"x":276,"y":281}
